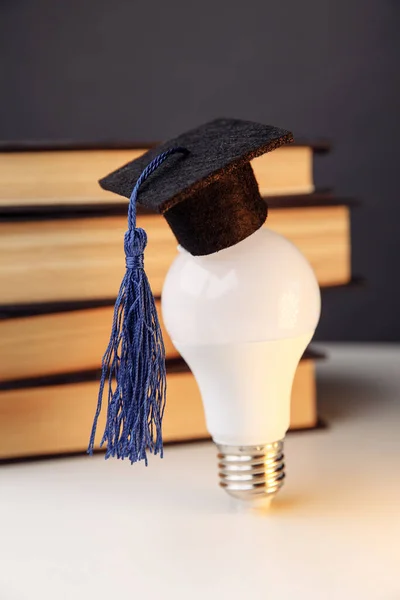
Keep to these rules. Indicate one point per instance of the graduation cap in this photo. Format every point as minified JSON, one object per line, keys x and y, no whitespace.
{"x":203,"y":184}
{"x":208,"y":195}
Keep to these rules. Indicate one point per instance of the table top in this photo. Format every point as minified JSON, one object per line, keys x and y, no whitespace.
{"x":84,"y":528}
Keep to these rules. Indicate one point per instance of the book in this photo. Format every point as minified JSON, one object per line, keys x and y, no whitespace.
{"x":51,"y":177}
{"x":82,"y":258}
{"x":59,"y":343}
{"x":56,"y":418}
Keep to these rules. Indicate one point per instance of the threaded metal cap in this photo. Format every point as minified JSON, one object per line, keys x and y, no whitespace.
{"x":251,"y":472}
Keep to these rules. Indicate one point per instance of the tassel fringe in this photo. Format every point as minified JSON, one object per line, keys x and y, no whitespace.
{"x":134,"y":367}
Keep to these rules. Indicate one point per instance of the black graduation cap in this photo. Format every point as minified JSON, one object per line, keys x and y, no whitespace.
{"x":209,"y":195}
{"x":203,"y":184}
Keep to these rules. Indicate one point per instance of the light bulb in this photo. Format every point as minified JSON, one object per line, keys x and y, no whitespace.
{"x":242,"y":318}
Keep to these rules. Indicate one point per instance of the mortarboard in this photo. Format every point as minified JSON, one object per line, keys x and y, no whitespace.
{"x":208,"y":196}
{"x":203,"y":184}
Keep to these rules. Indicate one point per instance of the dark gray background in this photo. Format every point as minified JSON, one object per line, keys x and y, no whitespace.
{"x":92,"y":70}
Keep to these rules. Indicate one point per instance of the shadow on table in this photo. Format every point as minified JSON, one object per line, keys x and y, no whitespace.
{"x":345,"y":397}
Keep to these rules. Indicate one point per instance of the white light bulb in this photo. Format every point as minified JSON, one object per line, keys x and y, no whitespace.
{"x":242,"y":318}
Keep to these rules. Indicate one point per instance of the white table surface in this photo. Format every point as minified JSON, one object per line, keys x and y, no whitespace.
{"x":84,"y":528}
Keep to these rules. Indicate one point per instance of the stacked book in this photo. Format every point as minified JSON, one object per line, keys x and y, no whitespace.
{"x":61,"y":263}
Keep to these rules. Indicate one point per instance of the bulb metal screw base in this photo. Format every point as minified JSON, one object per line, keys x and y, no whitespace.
{"x":251,"y":472}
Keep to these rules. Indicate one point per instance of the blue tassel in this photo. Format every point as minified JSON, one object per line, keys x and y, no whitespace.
{"x":133,"y":365}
